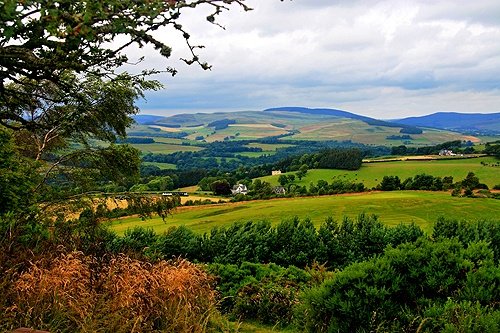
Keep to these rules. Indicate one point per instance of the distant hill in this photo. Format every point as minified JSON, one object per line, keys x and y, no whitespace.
{"x":146,"y":119}
{"x":476,"y":123}
{"x":336,"y":113}
{"x":289,"y":124}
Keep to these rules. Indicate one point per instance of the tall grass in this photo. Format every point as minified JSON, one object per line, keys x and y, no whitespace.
{"x":78,"y":293}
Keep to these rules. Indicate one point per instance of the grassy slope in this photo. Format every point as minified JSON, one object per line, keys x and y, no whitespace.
{"x":393,"y":208}
{"x":163,"y":166}
{"x":372,"y":173}
{"x":164,"y":148}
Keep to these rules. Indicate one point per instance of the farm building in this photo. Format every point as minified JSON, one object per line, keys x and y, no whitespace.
{"x":279,"y":190}
{"x":239,"y":189}
{"x":275,"y":172}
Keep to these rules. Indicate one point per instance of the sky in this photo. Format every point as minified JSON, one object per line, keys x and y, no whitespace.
{"x":383,"y":59}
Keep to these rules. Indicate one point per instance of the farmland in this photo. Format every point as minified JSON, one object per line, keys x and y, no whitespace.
{"x":254,"y":125}
{"x":164,"y":148}
{"x":372,"y":173}
{"x":393,"y":208}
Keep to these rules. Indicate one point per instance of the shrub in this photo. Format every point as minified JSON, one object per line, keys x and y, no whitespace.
{"x":389,"y":292}
{"x":263,"y":292}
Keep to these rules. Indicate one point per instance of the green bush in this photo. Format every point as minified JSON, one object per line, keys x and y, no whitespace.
{"x":465,"y":316}
{"x":385,"y":293}
{"x":263,"y":292}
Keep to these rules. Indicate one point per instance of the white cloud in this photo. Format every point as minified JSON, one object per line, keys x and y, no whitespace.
{"x":380,"y":58}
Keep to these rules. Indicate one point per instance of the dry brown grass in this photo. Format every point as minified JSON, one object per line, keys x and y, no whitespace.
{"x":87,"y":294}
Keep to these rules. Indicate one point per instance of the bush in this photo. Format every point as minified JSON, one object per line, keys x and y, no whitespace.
{"x":389,"y":292}
{"x":266,"y":293}
{"x":468,"y":232}
{"x":464,"y":316}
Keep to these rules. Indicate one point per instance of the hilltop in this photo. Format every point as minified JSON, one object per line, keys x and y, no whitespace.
{"x":476,"y":123}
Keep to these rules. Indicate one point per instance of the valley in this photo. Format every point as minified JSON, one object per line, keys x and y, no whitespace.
{"x":393,"y":208}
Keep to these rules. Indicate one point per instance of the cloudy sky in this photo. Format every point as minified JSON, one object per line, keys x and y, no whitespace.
{"x":385,"y":59}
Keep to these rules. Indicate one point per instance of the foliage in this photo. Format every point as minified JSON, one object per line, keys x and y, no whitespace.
{"x":293,"y":242}
{"x":389,"y":292}
{"x":464,"y":316}
{"x":221,"y":124}
{"x":493,"y":148}
{"x":468,"y":232}
{"x":17,"y":176}
{"x":160,"y":183}
{"x":411,"y":130}
{"x":341,"y":244}
{"x":419,"y":182}
{"x":455,"y":145}
{"x":221,"y":187}
{"x":75,"y":36}
{"x":263,"y":292}
{"x":390,"y":183}
{"x":135,"y":140}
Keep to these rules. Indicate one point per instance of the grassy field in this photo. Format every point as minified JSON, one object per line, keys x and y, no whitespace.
{"x":254,"y":154}
{"x":393,"y":208}
{"x":164,"y":148}
{"x":372,"y":173}
{"x":163,"y":166}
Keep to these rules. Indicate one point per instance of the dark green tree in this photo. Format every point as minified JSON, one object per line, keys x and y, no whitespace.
{"x":390,"y":183}
{"x":221,"y":187}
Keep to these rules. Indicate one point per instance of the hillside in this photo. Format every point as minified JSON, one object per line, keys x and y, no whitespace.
{"x":372,"y":173}
{"x":336,"y":113}
{"x":462,"y":122}
{"x":288,"y":123}
{"x":146,"y":119}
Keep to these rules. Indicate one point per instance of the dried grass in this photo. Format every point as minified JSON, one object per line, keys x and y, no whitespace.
{"x":81,"y":293}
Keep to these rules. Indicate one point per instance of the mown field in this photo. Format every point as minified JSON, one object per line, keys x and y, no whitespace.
{"x":423,"y":208}
{"x":372,"y":173}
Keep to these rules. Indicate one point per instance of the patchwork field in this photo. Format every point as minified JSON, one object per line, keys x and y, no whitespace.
{"x":372,"y":173}
{"x":359,"y":131}
{"x":393,"y":208}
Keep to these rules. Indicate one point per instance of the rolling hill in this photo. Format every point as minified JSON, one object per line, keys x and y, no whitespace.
{"x":290,"y":123}
{"x":477,"y":123}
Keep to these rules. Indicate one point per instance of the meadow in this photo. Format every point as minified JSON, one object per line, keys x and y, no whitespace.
{"x":371,"y":174}
{"x":163,"y":166}
{"x":422,"y":208}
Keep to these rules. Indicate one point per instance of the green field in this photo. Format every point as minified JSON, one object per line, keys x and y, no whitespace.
{"x":163,"y":166}
{"x":254,"y":154}
{"x":268,"y":146}
{"x":393,"y":208}
{"x":164,"y":148}
{"x":372,"y":173}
